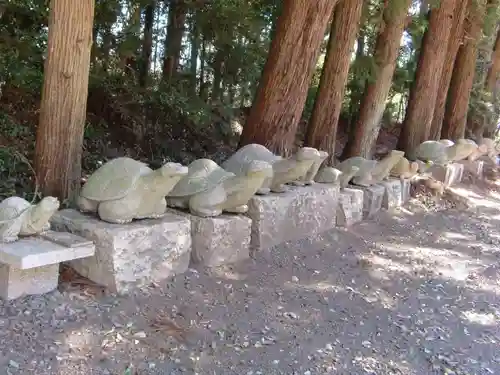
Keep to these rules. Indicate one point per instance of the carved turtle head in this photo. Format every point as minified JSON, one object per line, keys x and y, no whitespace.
{"x":44,"y":210}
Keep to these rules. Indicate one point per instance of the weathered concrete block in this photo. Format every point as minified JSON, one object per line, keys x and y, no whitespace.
{"x":31,"y":265}
{"x":219,"y":240}
{"x":393,"y":194}
{"x":372,"y":199}
{"x":16,"y":282}
{"x":129,"y":255}
{"x":475,"y":167}
{"x":450,"y":174}
{"x":350,"y":207}
{"x":298,"y":213}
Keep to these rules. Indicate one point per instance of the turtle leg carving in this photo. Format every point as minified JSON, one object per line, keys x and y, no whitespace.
{"x":87,"y":205}
{"x":119,"y":211}
{"x":238,"y":209}
{"x":10,"y":239}
{"x":152,"y":211}
{"x":298,"y":183}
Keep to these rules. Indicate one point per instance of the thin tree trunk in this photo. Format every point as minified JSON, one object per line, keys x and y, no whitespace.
{"x":147,"y":43}
{"x":420,"y":109}
{"x":462,"y":79}
{"x":322,"y":129}
{"x":216,"y":84}
{"x":195,"y":46}
{"x":365,"y":131}
{"x":173,"y":40}
{"x":283,"y":87}
{"x":59,"y":135}
{"x":456,"y":39}
{"x":494,"y":69}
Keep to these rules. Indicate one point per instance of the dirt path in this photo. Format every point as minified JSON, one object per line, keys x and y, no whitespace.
{"x":410,"y":293}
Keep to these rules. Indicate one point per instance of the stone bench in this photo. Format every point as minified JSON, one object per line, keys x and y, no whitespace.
{"x":219,"y":240}
{"x":301,"y":212}
{"x":129,"y":255}
{"x":350,"y":207}
{"x":31,"y":265}
{"x":449,"y":175}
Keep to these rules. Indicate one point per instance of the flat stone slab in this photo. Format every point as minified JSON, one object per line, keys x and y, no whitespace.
{"x":219,"y":240}
{"x":476,"y":167}
{"x":393,"y":194}
{"x":449,"y":175}
{"x":350,"y":207}
{"x":31,"y":264}
{"x":300,"y":212}
{"x":129,"y":255}
{"x":43,"y":250}
{"x":372,"y":199}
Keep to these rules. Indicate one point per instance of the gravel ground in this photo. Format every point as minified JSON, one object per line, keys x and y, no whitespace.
{"x":414,"y":292}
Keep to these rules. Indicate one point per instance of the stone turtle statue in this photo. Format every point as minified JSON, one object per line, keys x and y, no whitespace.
{"x":405,"y":169}
{"x":18,"y":217}
{"x":309,"y":178}
{"x":124,"y":189}
{"x":464,"y":149}
{"x":284,"y":170}
{"x":331,"y":175}
{"x":371,"y":171}
{"x":208,"y":189}
{"x":438,"y":152}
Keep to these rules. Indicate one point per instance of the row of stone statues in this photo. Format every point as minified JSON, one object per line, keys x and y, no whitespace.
{"x":124,"y":189}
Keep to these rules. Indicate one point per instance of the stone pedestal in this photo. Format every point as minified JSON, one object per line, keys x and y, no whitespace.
{"x":219,"y":240}
{"x":449,"y":175}
{"x":350,"y":207}
{"x":298,"y":213}
{"x":31,"y":265}
{"x":372,"y":199}
{"x":393,"y":194}
{"x":129,"y":255}
{"x":406,"y":190}
{"x":475,"y":167}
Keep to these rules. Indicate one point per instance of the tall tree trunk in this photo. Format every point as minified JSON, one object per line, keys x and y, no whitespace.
{"x":283,"y":87}
{"x":322,"y":129}
{"x":173,"y":40}
{"x":63,"y":109}
{"x":462,"y":79}
{"x":365,"y":131}
{"x":494,"y":69}
{"x":456,"y":38}
{"x":147,"y":43}
{"x":420,"y":109}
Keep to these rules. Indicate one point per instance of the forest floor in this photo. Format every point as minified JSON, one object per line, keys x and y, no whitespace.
{"x":416,"y":291}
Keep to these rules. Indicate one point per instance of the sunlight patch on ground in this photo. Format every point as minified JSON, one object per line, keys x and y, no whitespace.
{"x":484,"y":319}
{"x":457,"y":236}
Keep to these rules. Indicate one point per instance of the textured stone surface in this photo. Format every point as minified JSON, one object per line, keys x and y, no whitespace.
{"x":405,"y":190}
{"x":15,"y":282}
{"x":475,"y":167}
{"x":449,"y":175}
{"x":372,"y":199}
{"x":219,"y":240}
{"x":129,"y":255}
{"x":350,"y":207}
{"x":393,"y":194}
{"x":299,"y":213}
{"x":37,"y":251}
